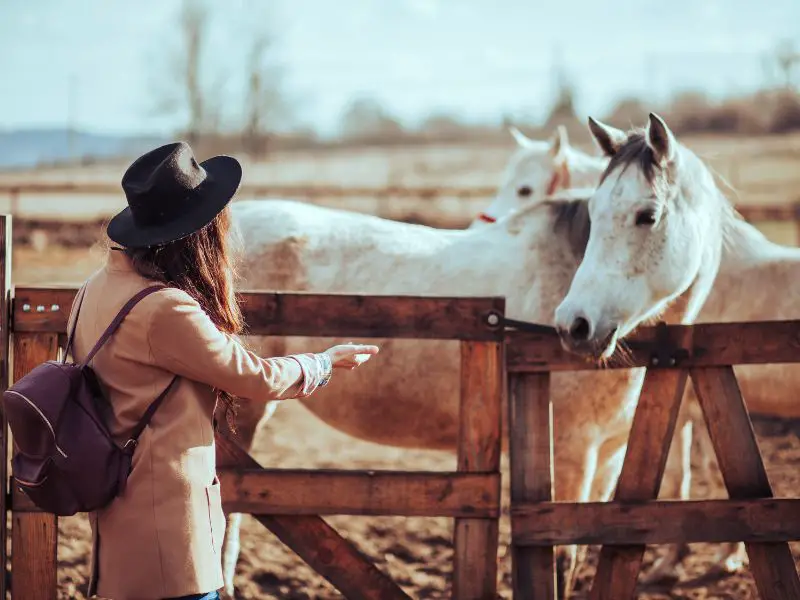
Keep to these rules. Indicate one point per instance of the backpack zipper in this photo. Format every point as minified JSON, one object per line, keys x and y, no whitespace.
{"x":45,"y":419}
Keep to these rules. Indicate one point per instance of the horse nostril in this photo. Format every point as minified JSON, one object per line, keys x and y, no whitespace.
{"x":580,"y":329}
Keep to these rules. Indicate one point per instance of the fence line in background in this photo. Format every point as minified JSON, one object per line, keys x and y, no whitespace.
{"x":754,"y":213}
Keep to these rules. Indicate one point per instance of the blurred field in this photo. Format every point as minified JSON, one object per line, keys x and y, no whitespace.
{"x":761,"y":171}
{"x":415,"y":551}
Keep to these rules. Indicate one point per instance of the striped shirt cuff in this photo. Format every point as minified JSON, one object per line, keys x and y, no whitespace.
{"x":316,"y":369}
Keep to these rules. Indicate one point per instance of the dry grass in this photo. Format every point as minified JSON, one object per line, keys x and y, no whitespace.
{"x":762,"y":170}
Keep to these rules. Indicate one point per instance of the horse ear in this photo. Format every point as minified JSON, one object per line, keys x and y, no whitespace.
{"x":559,"y":141}
{"x":661,"y":139}
{"x":520,"y":137}
{"x":609,"y":139}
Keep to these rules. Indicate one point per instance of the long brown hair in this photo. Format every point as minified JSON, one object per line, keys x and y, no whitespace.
{"x":202,"y":265}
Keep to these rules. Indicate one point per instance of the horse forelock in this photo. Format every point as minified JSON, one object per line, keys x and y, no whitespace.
{"x":637,"y":152}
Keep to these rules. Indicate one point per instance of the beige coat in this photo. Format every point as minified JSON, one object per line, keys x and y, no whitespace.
{"x":163,"y":536}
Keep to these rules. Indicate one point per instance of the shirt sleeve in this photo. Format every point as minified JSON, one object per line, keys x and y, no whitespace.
{"x":185,"y":341}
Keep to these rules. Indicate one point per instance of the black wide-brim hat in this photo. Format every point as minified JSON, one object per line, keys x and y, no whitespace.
{"x":170,"y":195}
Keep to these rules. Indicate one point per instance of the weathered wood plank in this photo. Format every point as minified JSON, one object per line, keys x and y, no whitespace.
{"x":317,"y":543}
{"x":5,"y":375}
{"x":656,"y":522}
{"x":645,"y":458}
{"x":364,"y":493}
{"x":34,"y":536}
{"x":743,"y":472}
{"x":312,"y":492}
{"x":476,"y":540}
{"x":706,"y":344}
{"x":301,"y":314}
{"x":531,"y":453}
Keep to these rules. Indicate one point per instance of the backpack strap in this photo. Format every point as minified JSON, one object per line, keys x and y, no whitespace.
{"x":71,"y":335}
{"x":130,"y":445}
{"x":111,"y":329}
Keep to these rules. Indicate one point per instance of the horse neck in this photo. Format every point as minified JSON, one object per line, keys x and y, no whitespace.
{"x":483,"y":261}
{"x":755,"y":279}
{"x":522,"y":257}
{"x":716,"y":216}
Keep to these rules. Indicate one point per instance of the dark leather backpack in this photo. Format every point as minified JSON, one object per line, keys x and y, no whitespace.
{"x":65,"y":459}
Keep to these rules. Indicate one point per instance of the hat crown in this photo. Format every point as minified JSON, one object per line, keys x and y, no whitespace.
{"x":160,"y":184}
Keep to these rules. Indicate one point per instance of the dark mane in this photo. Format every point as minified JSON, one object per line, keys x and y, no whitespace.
{"x":573,"y":217}
{"x":635,"y":151}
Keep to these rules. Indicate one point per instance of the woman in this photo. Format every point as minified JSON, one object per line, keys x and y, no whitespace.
{"x":162,"y":537}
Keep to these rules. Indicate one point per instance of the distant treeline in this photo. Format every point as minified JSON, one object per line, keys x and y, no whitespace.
{"x":367,"y":122}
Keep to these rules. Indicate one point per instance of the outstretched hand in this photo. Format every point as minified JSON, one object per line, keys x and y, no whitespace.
{"x":349,"y":356}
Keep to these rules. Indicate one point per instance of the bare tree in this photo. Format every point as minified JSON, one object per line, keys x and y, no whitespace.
{"x":780,"y":65}
{"x":183,"y":87}
{"x":787,"y":59}
{"x":265,"y":101}
{"x":562,"y":111}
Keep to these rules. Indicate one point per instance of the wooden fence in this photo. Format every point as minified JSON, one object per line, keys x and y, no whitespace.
{"x":703,"y":353}
{"x":298,"y":497}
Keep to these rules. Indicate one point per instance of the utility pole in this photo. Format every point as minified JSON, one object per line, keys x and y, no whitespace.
{"x":71,"y":117}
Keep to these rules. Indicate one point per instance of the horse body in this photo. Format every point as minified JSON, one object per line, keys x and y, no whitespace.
{"x":409,"y":398}
{"x":295,"y":247}
{"x":759,"y":280}
{"x":661,"y":237}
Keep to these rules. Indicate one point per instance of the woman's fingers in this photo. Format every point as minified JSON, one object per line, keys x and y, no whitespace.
{"x":365,"y":349}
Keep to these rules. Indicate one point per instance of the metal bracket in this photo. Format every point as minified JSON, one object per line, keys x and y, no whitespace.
{"x":665,"y":354}
{"x":493,"y":319}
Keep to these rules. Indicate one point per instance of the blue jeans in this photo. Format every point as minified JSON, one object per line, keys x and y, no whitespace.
{"x":208,"y":596}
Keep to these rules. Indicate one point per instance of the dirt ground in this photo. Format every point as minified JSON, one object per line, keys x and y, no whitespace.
{"x":416,"y":552}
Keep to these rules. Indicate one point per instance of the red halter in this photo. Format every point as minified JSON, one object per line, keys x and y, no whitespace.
{"x":560,"y":179}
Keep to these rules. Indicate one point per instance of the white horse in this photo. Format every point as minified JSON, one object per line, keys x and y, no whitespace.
{"x":409,"y":397}
{"x":539,"y":169}
{"x":660,"y":228}
{"x":757,"y":280}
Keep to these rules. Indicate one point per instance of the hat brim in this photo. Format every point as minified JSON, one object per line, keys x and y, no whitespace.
{"x":223,"y":176}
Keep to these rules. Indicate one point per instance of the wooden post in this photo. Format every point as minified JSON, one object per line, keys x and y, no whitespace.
{"x":34,"y":535}
{"x":797,"y":223}
{"x":742,"y":469}
{"x":530,"y":427}
{"x":476,"y":540}
{"x":14,"y":204}
{"x":5,"y":352}
{"x":645,"y":459}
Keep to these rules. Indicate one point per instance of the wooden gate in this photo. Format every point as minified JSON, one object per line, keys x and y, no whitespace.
{"x":298,"y":498}
{"x":703,"y":353}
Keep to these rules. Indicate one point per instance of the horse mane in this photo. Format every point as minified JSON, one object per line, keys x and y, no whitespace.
{"x":569,"y":212}
{"x":572,"y":216}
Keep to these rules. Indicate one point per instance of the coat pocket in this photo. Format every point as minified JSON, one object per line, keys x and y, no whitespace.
{"x":215,"y":515}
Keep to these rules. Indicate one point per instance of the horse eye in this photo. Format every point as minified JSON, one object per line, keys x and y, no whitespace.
{"x":646,"y":218}
{"x":524,"y":191}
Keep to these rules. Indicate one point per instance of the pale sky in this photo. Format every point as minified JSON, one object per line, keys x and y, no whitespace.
{"x":477,"y":58}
